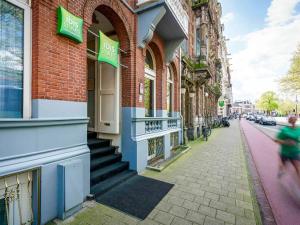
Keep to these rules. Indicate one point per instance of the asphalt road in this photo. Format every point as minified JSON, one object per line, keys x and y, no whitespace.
{"x":271,"y":131}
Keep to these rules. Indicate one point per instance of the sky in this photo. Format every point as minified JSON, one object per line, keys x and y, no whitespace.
{"x":263,"y":35}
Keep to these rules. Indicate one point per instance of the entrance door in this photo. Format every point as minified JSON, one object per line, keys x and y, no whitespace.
{"x":109,"y":89}
{"x":103,"y":97}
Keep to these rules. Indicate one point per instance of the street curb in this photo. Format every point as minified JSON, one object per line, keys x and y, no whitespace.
{"x":262,"y":209}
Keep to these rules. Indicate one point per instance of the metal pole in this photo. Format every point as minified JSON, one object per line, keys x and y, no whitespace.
{"x":96,"y":35}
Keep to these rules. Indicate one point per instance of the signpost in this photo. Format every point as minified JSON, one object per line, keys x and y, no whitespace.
{"x":69,"y":25}
{"x":221,"y":103}
{"x":108,"y":50}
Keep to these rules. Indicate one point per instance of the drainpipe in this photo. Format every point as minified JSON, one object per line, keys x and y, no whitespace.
{"x":181,"y":117}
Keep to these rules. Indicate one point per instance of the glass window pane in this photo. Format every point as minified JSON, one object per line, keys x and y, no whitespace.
{"x":184,"y":47}
{"x":11,"y":60}
{"x":3,"y":219}
{"x":148,"y":95}
{"x":149,"y":61}
{"x":198,"y":43}
{"x":169,"y":99}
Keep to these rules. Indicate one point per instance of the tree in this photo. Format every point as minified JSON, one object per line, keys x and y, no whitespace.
{"x":268,"y":102}
{"x":286,"y":107}
{"x":290,"y":83}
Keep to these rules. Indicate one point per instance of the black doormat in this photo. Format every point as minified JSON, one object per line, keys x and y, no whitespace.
{"x":137,"y":196}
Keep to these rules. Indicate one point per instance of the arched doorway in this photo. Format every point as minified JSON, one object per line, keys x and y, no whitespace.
{"x":103,"y":82}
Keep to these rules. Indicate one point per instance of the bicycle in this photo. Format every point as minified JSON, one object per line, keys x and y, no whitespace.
{"x":206,"y":131}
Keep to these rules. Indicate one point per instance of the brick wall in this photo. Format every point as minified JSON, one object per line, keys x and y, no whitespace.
{"x":59,"y":64}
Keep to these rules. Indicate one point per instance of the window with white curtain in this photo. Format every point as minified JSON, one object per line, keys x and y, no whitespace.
{"x":14,"y":59}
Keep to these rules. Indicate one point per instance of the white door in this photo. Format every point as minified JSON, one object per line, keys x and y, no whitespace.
{"x":109,"y":87}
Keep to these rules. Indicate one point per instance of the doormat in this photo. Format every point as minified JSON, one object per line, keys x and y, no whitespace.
{"x":137,"y":196}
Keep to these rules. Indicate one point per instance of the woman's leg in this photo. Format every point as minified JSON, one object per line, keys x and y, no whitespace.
{"x":282,"y":163}
{"x":296,"y":164}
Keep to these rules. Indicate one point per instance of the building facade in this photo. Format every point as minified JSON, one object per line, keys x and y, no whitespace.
{"x":226,"y":100}
{"x":202,"y":66}
{"x":242,"y":107}
{"x":66,"y":116}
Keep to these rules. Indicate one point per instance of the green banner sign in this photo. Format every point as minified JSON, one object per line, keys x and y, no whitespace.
{"x":108,"y":50}
{"x":69,"y":25}
{"x":221,"y":103}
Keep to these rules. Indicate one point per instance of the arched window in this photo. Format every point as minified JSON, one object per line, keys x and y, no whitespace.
{"x":170,"y":90}
{"x":149,"y":84}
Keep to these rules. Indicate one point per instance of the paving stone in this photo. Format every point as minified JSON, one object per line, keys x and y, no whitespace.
{"x":153,"y":213}
{"x":176,"y":200}
{"x":226,"y":217}
{"x":148,"y":222}
{"x":218,"y":205}
{"x":130,"y":220}
{"x":208,"y":211}
{"x":236,"y":196}
{"x":187,"y":196}
{"x":191,"y":205}
{"x":245,"y":205}
{"x":247,"y":198}
{"x":178,"y":211}
{"x":244,"y":192}
{"x":164,"y":218}
{"x":180,"y":221}
{"x":227,"y":200}
{"x":244,"y":221}
{"x":197,"y":192}
{"x":212,"y":221}
{"x":211,"y":196}
{"x":236,"y":210}
{"x":195,"y":217}
{"x":164,"y":206}
{"x":202,"y":200}
{"x":249,"y":214}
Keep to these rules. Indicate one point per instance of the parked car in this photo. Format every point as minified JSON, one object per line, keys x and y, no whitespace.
{"x":258,"y":118}
{"x":268,"y":120}
{"x":251,"y":118}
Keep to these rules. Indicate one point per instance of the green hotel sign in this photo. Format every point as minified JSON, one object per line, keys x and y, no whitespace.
{"x":108,"y":50}
{"x":221,"y":103}
{"x":69,"y":25}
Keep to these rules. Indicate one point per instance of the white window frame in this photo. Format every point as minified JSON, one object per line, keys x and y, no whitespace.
{"x":172,"y":90}
{"x":151,"y":75}
{"x":27,"y":57}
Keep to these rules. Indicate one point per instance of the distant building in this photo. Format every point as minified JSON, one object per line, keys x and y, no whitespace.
{"x":225,"y":101}
{"x":243,"y":107}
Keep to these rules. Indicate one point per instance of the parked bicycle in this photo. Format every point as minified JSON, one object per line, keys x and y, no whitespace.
{"x":206,"y":131}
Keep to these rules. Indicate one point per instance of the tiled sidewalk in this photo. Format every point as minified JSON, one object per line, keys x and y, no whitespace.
{"x":211,"y":188}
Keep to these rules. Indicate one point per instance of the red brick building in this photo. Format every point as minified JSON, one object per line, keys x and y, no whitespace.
{"x":66,"y":108}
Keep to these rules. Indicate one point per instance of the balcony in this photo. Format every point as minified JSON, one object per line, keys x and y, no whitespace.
{"x":200,"y":68}
{"x":158,"y":16}
{"x":199,"y":3}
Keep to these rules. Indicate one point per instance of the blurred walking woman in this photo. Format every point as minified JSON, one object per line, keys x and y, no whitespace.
{"x":289,"y":137}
